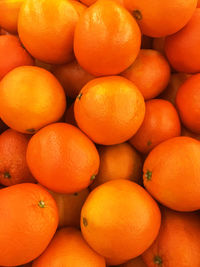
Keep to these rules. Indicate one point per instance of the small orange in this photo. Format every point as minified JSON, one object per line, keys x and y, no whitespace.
{"x":150,"y":73}
{"x":107,"y":39}
{"x":68,"y":248}
{"x":109,"y":110}
{"x":29,"y":218}
{"x":120,"y":220}
{"x":13,"y":166}
{"x":72,"y":77}
{"x":46,"y":28}
{"x":30,"y":98}
{"x":118,"y":162}
{"x":160,"y":18}
{"x":62,"y":158}
{"x":161,"y":122}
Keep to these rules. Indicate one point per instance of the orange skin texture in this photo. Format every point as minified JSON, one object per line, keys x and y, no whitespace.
{"x":160,"y":18}
{"x":90,"y":2}
{"x":182,"y":48}
{"x":109,"y":110}
{"x":12,"y":54}
{"x":125,"y":232}
{"x":178,"y":241}
{"x":166,"y":171}
{"x":72,"y":77}
{"x":19,"y":88}
{"x":177,"y":79}
{"x":69,"y":115}
{"x":118,"y":162}
{"x":68,"y":248}
{"x":150,"y":73}
{"x":159,"y":45}
{"x":161,"y":122}
{"x":69,"y":207}
{"x":188,"y":103}
{"x":61,"y":152}
{"x":9,"y":10}
{"x":13,"y":146}
{"x":186,"y":132}
{"x":136,"y":262}
{"x":26,"y":232}
{"x":49,"y":22}
{"x":107,"y":39}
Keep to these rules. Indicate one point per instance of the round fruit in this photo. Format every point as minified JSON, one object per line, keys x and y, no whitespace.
{"x":188,"y":103}
{"x":109,"y":110}
{"x":150,"y":73}
{"x":120,"y":220}
{"x":29,"y":218}
{"x":30,"y":98}
{"x":12,"y":54}
{"x":158,"y":18}
{"x":62,"y":158}
{"x":118,"y":162}
{"x":177,"y":243}
{"x":161,"y":122}
{"x":182,"y":48}
{"x":68,"y":248}
{"x":13,"y":166}
{"x":107,"y":45}
{"x":172,"y":173}
{"x":46,"y":28}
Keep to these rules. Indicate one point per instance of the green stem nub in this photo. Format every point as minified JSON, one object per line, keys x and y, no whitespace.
{"x":7,"y":175}
{"x":148,"y":175}
{"x":79,"y":96}
{"x":41,"y":204}
{"x":149,"y":143}
{"x":157,"y":260}
{"x":93,"y":177}
{"x":137,"y":14}
{"x":85,"y":222}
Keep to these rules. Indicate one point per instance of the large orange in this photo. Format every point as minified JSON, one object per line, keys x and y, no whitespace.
{"x":29,"y":218}
{"x":109,"y":110}
{"x":150,"y":73}
{"x":62,"y":158}
{"x":12,"y":54}
{"x":161,"y":122}
{"x":107,"y":39}
{"x":46,"y":28}
{"x":68,"y":248}
{"x":120,"y":161}
{"x":177,"y":243}
{"x":172,"y":173}
{"x":120,"y":220}
{"x":9,"y":10}
{"x":188,"y":103}
{"x":160,"y":18}
{"x":182,"y":48}
{"x":30,"y":98}
{"x":13,"y":166}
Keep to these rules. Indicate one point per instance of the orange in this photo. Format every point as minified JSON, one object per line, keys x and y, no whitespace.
{"x":150,"y":73}
{"x":9,"y":10}
{"x":177,"y":79}
{"x":136,"y":262}
{"x":62,"y":158}
{"x":109,"y":44}
{"x":109,"y":110}
{"x":172,"y":173}
{"x":177,"y":243}
{"x":188,"y":103}
{"x":182,"y":48}
{"x":30,"y":98}
{"x":159,"y":44}
{"x":69,"y":207}
{"x":118,"y":162}
{"x":68,"y":248}
{"x":29,"y":219}
{"x":46,"y":28}
{"x":69,"y":115}
{"x":161,"y":122}
{"x":13,"y":166}
{"x":72,"y":77}
{"x":12,"y":54}
{"x":186,"y":132}
{"x":120,"y":220}
{"x":160,"y":18}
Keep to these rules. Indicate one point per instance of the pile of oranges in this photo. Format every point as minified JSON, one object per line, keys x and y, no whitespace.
{"x":99,"y":133}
